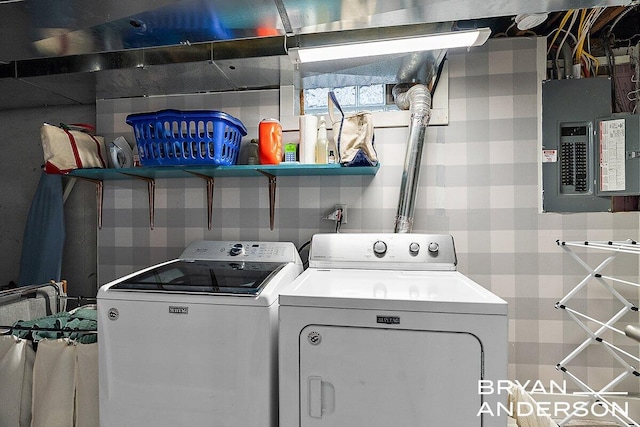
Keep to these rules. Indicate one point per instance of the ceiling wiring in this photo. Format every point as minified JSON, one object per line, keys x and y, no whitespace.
{"x":555,"y":61}
{"x":589,"y":34}
{"x":586,"y":43}
{"x":581,"y":54}
{"x":616,"y":95}
{"x":633,"y":95}
{"x":560,"y":28}
{"x":619,"y":18}
{"x":567,"y":32}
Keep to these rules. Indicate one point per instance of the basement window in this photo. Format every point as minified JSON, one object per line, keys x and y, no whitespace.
{"x":375,"y":97}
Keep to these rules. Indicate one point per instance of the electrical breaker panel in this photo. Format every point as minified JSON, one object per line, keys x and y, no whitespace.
{"x":570,"y":173}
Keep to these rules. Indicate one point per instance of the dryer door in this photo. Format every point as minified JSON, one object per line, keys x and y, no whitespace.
{"x":351,"y":376}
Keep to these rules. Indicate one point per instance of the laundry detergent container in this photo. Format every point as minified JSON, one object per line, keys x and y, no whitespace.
{"x":187,"y":138}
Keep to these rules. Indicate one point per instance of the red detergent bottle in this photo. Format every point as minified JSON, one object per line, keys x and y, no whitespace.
{"x":270,"y":142}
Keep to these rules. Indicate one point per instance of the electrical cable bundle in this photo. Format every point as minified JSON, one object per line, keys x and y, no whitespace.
{"x":580,"y":54}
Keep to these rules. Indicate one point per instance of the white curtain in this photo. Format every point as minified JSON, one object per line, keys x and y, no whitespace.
{"x":53,"y":384}
{"x":16,"y":365}
{"x":57,"y":386}
{"x":87,"y":386}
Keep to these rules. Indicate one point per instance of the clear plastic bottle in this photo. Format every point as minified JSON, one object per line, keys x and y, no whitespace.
{"x":322,"y":143}
{"x":332,"y":158}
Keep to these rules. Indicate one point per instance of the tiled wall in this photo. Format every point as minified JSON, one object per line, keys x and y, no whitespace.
{"x":479,"y":182}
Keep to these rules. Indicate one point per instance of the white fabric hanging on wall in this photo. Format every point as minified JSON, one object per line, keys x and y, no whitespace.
{"x":16,"y":364}
{"x":54,"y":384}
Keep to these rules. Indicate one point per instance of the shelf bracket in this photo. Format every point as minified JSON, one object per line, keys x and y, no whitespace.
{"x":151,"y":190}
{"x":272,"y":197}
{"x":209,"y":180}
{"x":99,"y":196}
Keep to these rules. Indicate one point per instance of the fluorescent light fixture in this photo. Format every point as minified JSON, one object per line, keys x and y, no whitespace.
{"x":464,"y":38}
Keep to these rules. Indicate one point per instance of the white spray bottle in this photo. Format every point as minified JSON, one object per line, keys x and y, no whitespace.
{"x":322,"y":143}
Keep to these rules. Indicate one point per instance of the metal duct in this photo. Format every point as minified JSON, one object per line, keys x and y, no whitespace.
{"x":422,"y":66}
{"x":418,"y":100}
{"x":416,"y":68}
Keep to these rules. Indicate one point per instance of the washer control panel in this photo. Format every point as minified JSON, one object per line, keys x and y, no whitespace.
{"x":241,"y":251}
{"x":385,"y":251}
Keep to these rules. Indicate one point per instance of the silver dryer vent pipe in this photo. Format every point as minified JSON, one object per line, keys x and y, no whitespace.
{"x":418,"y":100}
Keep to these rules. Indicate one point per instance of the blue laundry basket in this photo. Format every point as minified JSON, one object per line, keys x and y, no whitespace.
{"x":179,"y":138}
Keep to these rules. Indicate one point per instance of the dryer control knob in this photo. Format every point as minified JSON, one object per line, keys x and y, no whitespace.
{"x":414,"y":248}
{"x":379,"y":248}
{"x":433,"y":247}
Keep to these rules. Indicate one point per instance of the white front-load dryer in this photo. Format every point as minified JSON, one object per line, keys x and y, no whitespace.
{"x":193,"y":341}
{"x":381,"y":331}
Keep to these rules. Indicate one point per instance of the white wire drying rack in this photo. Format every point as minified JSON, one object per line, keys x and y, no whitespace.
{"x":604,"y":395}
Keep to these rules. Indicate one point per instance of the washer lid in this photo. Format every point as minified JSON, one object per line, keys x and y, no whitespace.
{"x":202,"y":277}
{"x":432,"y":291}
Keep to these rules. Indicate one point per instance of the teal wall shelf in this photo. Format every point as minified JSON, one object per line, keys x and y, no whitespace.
{"x":209,"y":173}
{"x":283,"y":169}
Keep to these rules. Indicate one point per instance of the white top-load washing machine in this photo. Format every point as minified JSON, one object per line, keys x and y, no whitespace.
{"x":381,"y":330}
{"x":193,"y":341}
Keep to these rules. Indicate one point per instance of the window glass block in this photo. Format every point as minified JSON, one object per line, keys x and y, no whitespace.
{"x":315,"y":98}
{"x":346,"y":95}
{"x":351,"y":98}
{"x":371,"y":95}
